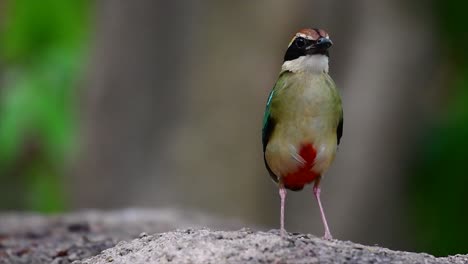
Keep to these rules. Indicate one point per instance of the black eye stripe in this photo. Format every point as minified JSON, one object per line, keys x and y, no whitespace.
{"x":301,"y":47}
{"x":302,"y":42}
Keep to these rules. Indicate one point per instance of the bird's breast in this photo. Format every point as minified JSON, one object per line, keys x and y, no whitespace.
{"x":303,"y":143}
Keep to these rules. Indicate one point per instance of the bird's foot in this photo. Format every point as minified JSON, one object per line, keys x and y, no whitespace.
{"x":327,"y":236}
{"x":283,"y":233}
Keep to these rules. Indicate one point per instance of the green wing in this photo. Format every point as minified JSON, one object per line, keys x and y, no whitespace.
{"x":268,"y":120}
{"x":339,"y":129}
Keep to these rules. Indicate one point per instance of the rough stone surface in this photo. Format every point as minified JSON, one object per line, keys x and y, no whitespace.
{"x":33,"y":238}
{"x":245,"y":246}
{"x":100,"y":237}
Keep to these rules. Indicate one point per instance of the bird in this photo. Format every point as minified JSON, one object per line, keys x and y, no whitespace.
{"x":303,"y":120}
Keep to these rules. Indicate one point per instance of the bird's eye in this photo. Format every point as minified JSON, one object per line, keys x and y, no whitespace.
{"x":300,"y":42}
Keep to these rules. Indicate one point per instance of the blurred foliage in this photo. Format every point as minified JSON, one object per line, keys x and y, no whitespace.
{"x":41,"y":53}
{"x":439,"y":186}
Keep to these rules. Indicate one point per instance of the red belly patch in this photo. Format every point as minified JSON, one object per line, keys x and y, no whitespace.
{"x":296,"y":180}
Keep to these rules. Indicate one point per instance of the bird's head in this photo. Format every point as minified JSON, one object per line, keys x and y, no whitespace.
{"x":308,"y":51}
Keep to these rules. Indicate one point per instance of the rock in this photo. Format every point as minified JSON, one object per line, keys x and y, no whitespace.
{"x":93,"y":237}
{"x":34,"y":238}
{"x":246,"y":246}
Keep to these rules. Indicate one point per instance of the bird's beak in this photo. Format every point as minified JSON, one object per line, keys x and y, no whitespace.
{"x":323,"y":43}
{"x":319,"y":47}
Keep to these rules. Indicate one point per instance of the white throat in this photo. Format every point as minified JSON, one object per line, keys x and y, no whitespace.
{"x":309,"y":63}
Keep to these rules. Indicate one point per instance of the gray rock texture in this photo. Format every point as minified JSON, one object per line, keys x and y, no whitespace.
{"x":33,"y":238}
{"x":246,"y":246}
{"x":94,"y":237}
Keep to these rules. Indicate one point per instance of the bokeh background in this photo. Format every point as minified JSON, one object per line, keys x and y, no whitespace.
{"x":113,"y":103}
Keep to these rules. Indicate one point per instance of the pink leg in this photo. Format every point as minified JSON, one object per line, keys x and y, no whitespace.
{"x":327,"y":235}
{"x":282,"y":193}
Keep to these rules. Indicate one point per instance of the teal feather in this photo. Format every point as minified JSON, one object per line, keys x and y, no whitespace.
{"x":268,"y":120}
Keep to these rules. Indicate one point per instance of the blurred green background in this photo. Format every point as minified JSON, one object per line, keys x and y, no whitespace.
{"x":114,"y":104}
{"x":42,"y":56}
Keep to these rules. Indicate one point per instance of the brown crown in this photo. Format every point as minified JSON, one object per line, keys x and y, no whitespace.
{"x":312,"y":33}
